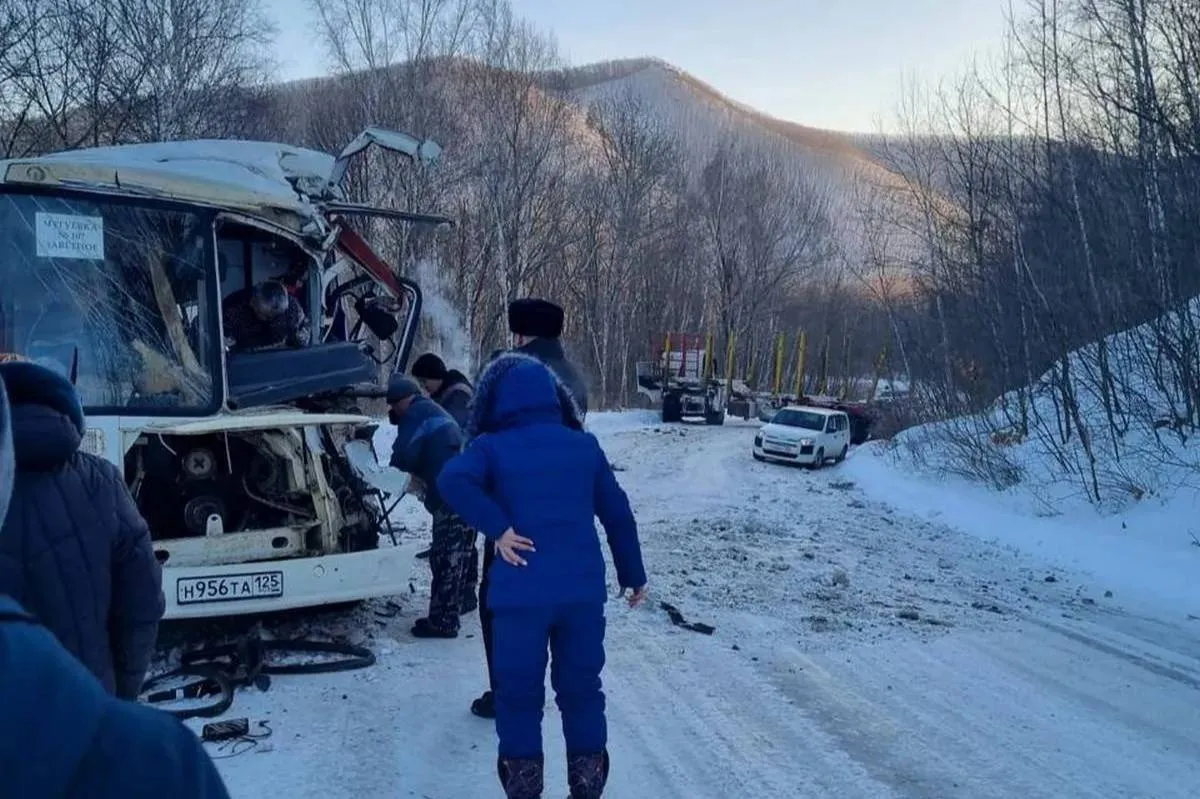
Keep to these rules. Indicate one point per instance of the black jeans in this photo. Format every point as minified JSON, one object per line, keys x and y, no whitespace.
{"x":485,"y":614}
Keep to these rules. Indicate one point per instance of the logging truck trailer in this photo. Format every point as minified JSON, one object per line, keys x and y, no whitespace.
{"x":255,"y":470}
{"x":680,"y":379}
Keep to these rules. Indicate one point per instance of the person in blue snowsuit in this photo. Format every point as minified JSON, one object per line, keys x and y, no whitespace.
{"x":62,"y":735}
{"x":533,"y":485}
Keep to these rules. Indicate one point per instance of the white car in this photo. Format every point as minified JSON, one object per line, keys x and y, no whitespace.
{"x":803,"y":435}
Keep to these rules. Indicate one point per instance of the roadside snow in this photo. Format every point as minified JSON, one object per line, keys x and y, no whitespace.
{"x":859,"y":651}
{"x":1145,"y":555}
{"x":1119,"y":500}
{"x":620,"y":421}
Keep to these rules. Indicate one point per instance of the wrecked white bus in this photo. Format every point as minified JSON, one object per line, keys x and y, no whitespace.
{"x":116,"y":263}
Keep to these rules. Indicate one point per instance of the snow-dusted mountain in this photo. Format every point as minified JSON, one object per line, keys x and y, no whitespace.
{"x":840,"y":164}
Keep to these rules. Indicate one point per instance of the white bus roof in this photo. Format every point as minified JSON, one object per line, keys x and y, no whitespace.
{"x":252,"y":176}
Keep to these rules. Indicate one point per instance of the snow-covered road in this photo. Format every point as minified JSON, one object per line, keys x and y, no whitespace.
{"x":857,"y":653}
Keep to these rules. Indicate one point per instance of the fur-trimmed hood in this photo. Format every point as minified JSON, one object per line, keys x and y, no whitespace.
{"x":516,"y":390}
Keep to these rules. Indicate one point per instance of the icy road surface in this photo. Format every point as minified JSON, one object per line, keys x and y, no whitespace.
{"x":857,"y":653}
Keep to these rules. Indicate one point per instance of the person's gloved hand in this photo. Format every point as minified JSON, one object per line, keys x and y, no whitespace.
{"x":416,"y":487}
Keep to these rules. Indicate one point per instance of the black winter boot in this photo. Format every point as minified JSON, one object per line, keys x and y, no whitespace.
{"x":424,"y":628}
{"x":521,"y":777}
{"x":587,"y":775}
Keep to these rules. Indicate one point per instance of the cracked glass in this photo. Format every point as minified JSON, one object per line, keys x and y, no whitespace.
{"x":117,"y":294}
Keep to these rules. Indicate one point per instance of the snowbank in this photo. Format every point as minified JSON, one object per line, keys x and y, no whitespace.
{"x":1145,"y":555}
{"x":1121,"y":500}
{"x":1126,"y":439}
{"x":612,"y":422}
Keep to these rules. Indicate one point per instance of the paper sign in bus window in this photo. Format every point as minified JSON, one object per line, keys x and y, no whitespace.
{"x":69,"y":236}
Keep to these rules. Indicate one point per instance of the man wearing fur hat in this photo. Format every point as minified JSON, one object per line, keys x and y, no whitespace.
{"x":535,"y":325}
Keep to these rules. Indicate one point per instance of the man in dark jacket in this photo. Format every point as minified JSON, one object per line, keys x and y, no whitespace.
{"x":447,"y":387}
{"x":60,"y":733}
{"x":63,"y":736}
{"x":450,"y":389}
{"x":74,"y":550}
{"x":426,"y":439}
{"x":536,"y":326}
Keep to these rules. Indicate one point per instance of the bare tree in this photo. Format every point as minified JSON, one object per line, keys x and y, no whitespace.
{"x":620,"y":206}
{"x":203,"y":61}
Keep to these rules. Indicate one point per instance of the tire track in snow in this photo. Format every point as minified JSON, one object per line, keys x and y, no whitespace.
{"x":993,"y":716}
{"x":694,"y":721}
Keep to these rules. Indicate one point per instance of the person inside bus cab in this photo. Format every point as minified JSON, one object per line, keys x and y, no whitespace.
{"x":266,"y":316}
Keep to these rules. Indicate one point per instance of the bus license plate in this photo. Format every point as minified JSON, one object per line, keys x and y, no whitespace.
{"x":229,"y":587}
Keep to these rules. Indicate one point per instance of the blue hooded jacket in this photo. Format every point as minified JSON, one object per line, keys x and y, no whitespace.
{"x":62,"y":736}
{"x":525,"y":469}
{"x":7,"y":460}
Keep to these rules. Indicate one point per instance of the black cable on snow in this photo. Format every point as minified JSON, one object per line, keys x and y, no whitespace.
{"x":221,"y":670}
{"x":208,"y":682}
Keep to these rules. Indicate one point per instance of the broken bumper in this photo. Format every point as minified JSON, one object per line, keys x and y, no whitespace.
{"x":274,"y":585}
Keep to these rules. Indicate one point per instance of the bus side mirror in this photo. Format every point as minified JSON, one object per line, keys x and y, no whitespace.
{"x":377,"y":320}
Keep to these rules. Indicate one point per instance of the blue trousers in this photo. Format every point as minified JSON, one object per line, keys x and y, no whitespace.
{"x":574,"y":635}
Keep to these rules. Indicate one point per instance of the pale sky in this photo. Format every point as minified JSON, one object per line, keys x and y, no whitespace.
{"x":836,"y":64}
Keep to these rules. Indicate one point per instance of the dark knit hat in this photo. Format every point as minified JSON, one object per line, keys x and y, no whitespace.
{"x":428,"y":367}
{"x":401,"y":387}
{"x":28,"y":383}
{"x":534,"y":317}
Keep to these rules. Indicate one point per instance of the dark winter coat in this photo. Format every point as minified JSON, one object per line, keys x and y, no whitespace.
{"x":550,"y":352}
{"x":7,"y":466}
{"x":454,"y":395}
{"x":526,"y":470}
{"x":63,"y":737}
{"x":74,"y":550}
{"x":426,"y":438}
{"x":249,"y":333}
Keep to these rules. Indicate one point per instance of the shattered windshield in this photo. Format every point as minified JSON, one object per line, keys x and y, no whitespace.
{"x":805,"y":420}
{"x":116,"y":293}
